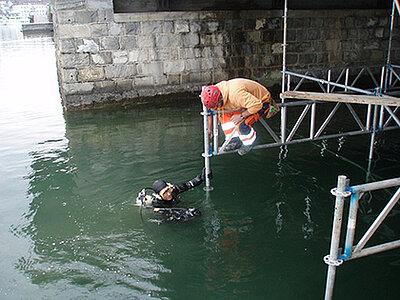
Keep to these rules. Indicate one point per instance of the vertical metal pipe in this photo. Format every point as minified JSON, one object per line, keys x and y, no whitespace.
{"x":371,"y":147}
{"x":336,"y":229}
{"x":283,"y":110}
{"x":382,"y":110}
{"x":390,"y":35}
{"x":312,"y":124}
{"x":284,"y":46}
{"x":328,"y":88}
{"x":351,"y":225}
{"x":215,"y":132}
{"x":346,"y":83}
{"x":206,"y":153}
{"x":368,"y":122}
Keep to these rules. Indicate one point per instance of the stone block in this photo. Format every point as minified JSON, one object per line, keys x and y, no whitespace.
{"x":70,"y":75}
{"x":291,"y":59}
{"x":161,"y":54}
{"x":191,"y":78}
{"x":249,"y":24}
{"x":207,"y":52}
{"x":67,"y":46}
{"x":360,"y":22}
{"x":160,"y":80}
{"x":316,"y":23}
{"x":124,"y":84}
{"x":74,"y":60}
{"x":150,"y":68}
{"x":65,"y":16}
{"x":181,"y":26}
{"x":78,"y":88}
{"x":349,"y":22}
{"x":254,"y":37}
{"x":307,"y":58}
{"x":81,"y":30}
{"x":322,"y":58}
{"x":260,"y":23}
{"x":116,"y":29}
{"x":277,"y":48}
{"x":73,"y":31}
{"x":137,"y":56}
{"x":234,"y":25}
{"x":91,"y":74}
{"x":192,"y":65}
{"x":195,"y":27}
{"x":98,"y":30}
{"x":87,"y":46}
{"x":212,"y":26}
{"x":218,"y":51}
{"x":127,"y":42}
{"x":239,"y":37}
{"x":120,"y":57}
{"x":209,"y":64}
{"x":120,"y":71}
{"x":174,"y":67}
{"x":150,"y":27}
{"x":85,"y":16}
{"x":301,"y":35}
{"x":106,"y":16}
{"x":104,"y":86}
{"x":109,"y":43}
{"x":249,"y":49}
{"x":267,"y":36}
{"x":143,"y":81}
{"x":99,"y":4}
{"x":313,"y":34}
{"x":167,"y":41}
{"x":174,"y":79}
{"x":187,"y":53}
{"x":132,"y":28}
{"x":190,"y":40}
{"x":145,"y":41}
{"x":379,"y":32}
{"x":68,"y":4}
{"x":168,"y":27}
{"x":102,"y":58}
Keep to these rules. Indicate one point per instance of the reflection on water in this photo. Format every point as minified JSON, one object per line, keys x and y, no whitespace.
{"x":10,"y":32}
{"x":71,"y":229}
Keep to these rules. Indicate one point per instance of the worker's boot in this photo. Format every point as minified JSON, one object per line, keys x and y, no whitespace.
{"x":245,"y":149}
{"x":234,"y":144}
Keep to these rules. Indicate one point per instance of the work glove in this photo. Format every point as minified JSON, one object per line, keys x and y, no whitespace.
{"x":203,"y":174}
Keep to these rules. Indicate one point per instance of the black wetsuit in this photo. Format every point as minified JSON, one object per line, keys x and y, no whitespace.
{"x":176,"y":190}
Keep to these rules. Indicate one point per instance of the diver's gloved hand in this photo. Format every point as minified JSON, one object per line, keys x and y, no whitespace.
{"x":203,"y":174}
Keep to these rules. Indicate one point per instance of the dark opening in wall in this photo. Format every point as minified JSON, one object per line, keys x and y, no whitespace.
{"x":132,"y":6}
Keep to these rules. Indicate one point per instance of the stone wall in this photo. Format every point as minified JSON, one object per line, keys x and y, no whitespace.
{"x":104,"y":57}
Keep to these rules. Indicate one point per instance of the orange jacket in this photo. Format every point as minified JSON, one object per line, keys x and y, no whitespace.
{"x":242,"y":93}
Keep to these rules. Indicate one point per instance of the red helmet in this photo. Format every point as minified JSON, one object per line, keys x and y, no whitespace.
{"x":210,"y":96}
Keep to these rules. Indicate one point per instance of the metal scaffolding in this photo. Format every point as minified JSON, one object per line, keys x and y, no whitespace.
{"x":351,"y":251}
{"x":337,"y":86}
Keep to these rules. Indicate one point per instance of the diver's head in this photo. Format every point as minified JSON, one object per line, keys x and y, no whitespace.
{"x":163,"y":189}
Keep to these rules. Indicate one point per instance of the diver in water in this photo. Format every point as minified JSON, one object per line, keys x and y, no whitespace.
{"x":164,"y":198}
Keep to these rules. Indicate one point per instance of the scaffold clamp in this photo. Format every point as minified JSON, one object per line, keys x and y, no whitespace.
{"x":331,"y":262}
{"x":335,"y":192}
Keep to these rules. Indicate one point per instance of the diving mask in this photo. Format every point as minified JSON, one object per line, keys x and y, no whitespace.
{"x":166,"y":193}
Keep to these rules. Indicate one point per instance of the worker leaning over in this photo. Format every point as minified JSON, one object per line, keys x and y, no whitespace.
{"x":248,"y":100}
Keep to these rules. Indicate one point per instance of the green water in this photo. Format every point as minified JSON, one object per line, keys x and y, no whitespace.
{"x":70,"y":229}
